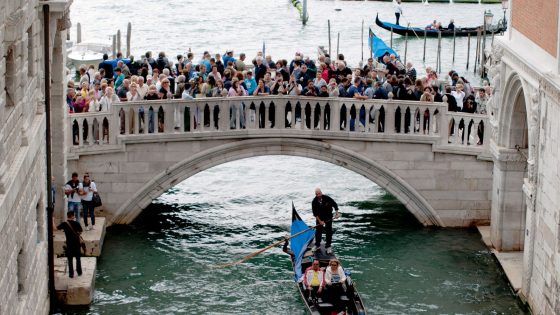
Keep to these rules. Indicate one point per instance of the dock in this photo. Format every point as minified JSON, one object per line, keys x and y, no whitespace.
{"x":510,"y":262}
{"x":78,"y":291}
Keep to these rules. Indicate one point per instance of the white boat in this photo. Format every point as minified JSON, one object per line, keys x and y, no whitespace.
{"x":87,"y":53}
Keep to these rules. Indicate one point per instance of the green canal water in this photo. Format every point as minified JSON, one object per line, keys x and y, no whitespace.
{"x":161,"y":264}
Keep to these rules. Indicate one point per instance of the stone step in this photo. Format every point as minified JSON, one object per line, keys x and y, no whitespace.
{"x":92,"y":238}
{"x":77,"y":290}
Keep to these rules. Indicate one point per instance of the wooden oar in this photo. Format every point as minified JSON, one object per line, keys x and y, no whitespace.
{"x":266,"y":248}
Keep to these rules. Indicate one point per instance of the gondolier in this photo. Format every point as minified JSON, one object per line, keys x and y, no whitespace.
{"x":398,"y":10}
{"x":322,"y":206}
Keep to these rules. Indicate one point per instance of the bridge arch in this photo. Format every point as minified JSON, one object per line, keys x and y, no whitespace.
{"x":314,"y":149}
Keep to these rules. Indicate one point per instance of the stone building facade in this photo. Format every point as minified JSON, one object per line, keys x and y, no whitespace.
{"x":525,"y":66}
{"x":23,"y":193}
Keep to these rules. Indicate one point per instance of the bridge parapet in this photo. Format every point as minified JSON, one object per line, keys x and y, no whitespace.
{"x":366,"y":120}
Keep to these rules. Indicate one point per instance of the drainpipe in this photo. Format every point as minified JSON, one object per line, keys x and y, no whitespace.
{"x":50,"y":206}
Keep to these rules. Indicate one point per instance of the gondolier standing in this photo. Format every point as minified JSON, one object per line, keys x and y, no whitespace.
{"x":398,"y":10}
{"x":322,"y":206}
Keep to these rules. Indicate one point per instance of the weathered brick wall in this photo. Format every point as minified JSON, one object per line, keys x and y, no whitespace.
{"x":538,"y":20}
{"x":23,"y":239}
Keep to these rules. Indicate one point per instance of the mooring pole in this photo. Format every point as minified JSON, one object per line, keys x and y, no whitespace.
{"x":114,"y":46}
{"x":424,"y":58}
{"x":128,"y":37}
{"x":476,"y":55}
{"x":468,"y":50}
{"x":79,"y":35}
{"x":362,"y":39}
{"x":405,"y":46}
{"x":454,"y":37}
{"x":329,"y":27}
{"x":119,"y":41}
{"x":337,"y":44}
{"x":439,"y":52}
{"x":304,"y":16}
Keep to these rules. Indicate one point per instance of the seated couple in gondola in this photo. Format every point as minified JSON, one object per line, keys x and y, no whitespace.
{"x":436,"y":26}
{"x":330,"y":284}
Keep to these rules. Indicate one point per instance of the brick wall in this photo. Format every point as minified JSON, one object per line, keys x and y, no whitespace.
{"x":538,"y":20}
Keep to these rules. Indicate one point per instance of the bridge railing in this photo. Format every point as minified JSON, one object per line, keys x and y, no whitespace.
{"x":379,"y":118}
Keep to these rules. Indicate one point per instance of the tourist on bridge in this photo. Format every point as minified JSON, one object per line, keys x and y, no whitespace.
{"x":322,"y":206}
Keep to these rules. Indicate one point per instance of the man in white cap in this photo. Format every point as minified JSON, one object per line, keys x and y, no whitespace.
{"x":322,"y":206}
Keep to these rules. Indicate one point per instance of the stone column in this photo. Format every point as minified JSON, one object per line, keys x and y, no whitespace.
{"x":508,"y":202}
{"x":59,"y":112}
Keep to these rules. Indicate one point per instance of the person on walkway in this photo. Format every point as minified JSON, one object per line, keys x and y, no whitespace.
{"x":398,"y":10}
{"x":322,"y":206}
{"x":87,"y":201}
{"x":74,"y":190}
{"x":314,"y":280}
{"x":72,"y":230}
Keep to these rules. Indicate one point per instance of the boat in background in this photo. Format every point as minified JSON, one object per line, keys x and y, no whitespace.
{"x":302,"y":257}
{"x":419,"y":31}
{"x":87,"y":53}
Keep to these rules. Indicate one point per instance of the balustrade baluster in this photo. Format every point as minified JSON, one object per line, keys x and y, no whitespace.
{"x":334,"y":123}
{"x":280,"y":114}
{"x":266,"y":115}
{"x":403,"y":114}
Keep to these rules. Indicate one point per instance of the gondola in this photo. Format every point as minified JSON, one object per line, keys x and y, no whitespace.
{"x":302,"y":258}
{"x":418,"y":31}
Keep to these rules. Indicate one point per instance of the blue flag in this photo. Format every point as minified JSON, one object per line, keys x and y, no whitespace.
{"x":378,"y":46}
{"x":299,"y":244}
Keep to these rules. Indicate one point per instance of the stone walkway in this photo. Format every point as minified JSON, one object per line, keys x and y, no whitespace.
{"x":511,"y":262}
{"x":78,"y":290}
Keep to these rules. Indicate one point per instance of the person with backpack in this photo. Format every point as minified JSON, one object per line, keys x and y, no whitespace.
{"x":89,"y":188}
{"x":72,"y":231}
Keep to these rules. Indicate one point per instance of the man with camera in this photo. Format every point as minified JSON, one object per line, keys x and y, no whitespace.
{"x":74,"y":190}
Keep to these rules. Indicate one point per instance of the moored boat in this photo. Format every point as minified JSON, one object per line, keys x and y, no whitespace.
{"x":302,"y":258}
{"x":87,"y":53}
{"x":419,"y":31}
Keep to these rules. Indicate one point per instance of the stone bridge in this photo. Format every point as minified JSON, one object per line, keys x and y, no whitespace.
{"x":138,"y":150}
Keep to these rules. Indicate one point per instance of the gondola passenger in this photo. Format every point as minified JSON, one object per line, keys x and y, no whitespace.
{"x":314,"y":280}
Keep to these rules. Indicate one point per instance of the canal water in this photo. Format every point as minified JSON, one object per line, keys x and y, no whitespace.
{"x":174,"y":26}
{"x":162,"y":263}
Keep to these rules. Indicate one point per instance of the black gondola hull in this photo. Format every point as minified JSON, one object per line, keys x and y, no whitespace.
{"x":420,"y":32}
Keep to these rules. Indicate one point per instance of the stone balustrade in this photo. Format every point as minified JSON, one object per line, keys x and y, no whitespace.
{"x":387,"y":120}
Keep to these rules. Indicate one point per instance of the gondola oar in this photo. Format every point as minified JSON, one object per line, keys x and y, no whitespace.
{"x":266,"y":248}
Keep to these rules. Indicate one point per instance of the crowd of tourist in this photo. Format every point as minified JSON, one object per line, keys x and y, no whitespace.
{"x":122,"y":80}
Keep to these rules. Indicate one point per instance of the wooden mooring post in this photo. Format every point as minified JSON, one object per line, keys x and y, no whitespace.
{"x":128,"y":37}
{"x":119,"y":41}
{"x":454,"y":44}
{"x":424,"y":58}
{"x":337,"y":44}
{"x":468,"y":50}
{"x":114,"y":46}
{"x":405,"y":47}
{"x":79,"y":35}
{"x":329,"y":27}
